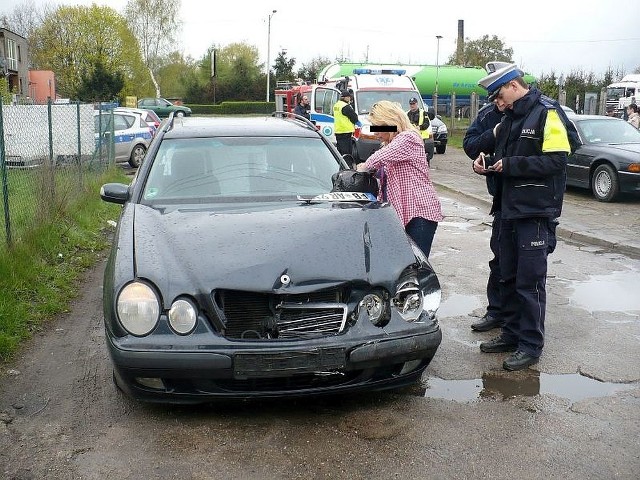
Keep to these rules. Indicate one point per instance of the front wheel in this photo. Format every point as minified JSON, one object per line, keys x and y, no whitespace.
{"x":441,"y":148}
{"x":605,"y":183}
{"x":179,"y":113}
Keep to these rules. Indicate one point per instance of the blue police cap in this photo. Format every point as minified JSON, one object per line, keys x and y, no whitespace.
{"x":496,"y":79}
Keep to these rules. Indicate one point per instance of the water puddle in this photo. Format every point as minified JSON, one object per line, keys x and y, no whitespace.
{"x":614,"y":292}
{"x":457,"y":305}
{"x":573,"y":387}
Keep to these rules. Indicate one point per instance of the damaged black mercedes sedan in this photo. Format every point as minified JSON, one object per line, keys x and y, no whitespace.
{"x":236,"y":273}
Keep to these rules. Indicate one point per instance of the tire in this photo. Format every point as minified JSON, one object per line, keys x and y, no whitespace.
{"x":137,"y":155}
{"x":441,"y":149}
{"x":179,"y":113}
{"x":605,"y":184}
{"x":354,"y":154}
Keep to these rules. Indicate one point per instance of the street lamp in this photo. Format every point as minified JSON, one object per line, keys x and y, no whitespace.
{"x":269,"y":49}
{"x":438,"y":37}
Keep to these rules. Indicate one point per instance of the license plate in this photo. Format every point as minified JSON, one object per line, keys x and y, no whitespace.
{"x":263,"y":365}
{"x":341,"y":197}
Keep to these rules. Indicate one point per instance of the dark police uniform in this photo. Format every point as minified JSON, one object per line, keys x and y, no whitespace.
{"x":533,"y":144}
{"x":480,"y":138}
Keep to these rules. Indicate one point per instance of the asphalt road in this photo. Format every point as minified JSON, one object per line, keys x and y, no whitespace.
{"x":575,"y":415}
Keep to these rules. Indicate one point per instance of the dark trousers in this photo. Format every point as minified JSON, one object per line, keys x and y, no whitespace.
{"x":494,"y":286}
{"x":343,"y":141}
{"x":422,"y":232}
{"x":524,"y":246}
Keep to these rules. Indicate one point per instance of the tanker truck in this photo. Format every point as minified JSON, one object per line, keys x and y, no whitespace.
{"x":450,"y":79}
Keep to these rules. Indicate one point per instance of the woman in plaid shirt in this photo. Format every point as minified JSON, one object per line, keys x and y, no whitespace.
{"x":402,"y":167}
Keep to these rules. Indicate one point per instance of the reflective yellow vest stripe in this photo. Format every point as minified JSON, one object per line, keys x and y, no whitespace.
{"x":555,"y":134}
{"x":426,"y":132}
{"x":342,"y":123}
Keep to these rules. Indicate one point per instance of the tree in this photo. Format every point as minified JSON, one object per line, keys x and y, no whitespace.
{"x":476,"y":53}
{"x":309,"y":71}
{"x":25,"y":18}
{"x":155,"y":24}
{"x":100,"y":84}
{"x":73,"y":40}
{"x":174,"y":75}
{"x":283,"y":67}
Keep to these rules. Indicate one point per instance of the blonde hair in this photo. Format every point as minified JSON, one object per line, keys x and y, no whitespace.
{"x":389,"y":114}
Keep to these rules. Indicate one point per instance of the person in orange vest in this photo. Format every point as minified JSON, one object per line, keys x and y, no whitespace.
{"x":345,"y":119}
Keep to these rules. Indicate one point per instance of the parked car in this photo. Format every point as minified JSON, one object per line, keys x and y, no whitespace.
{"x":131,"y":134}
{"x":440,"y":134}
{"x":149,"y":116}
{"x":254,"y":280}
{"x":163,"y":107}
{"x":568,"y":110}
{"x":608,"y":162}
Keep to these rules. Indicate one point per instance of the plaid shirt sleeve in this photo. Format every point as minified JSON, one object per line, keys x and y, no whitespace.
{"x":408,"y":183}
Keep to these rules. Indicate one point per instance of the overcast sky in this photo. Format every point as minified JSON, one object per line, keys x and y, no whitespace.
{"x":554,"y":35}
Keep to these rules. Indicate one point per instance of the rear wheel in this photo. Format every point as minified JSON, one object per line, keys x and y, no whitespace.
{"x":605,"y":183}
{"x":137,"y":155}
{"x":354,"y":154}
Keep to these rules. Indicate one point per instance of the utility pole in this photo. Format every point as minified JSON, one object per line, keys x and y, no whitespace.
{"x":269,"y":50}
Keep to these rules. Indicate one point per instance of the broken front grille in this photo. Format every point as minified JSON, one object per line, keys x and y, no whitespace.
{"x":258,"y":316}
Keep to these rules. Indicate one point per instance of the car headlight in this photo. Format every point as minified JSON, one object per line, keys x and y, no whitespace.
{"x":182,"y":316}
{"x":408,"y":299}
{"x":138,"y":308}
{"x":376,"y":308}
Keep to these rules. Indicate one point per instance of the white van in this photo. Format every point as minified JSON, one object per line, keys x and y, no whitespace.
{"x":368,"y":87}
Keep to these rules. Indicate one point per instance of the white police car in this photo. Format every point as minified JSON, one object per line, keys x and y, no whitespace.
{"x":131,"y":135}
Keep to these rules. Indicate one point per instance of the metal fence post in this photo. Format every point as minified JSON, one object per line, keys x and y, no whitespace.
{"x":50,"y":171}
{"x":5,"y":183}
{"x":79,"y":157}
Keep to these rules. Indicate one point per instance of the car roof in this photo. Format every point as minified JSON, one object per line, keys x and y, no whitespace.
{"x":188,"y":127}
{"x":578,"y":118}
{"x":119,"y":112}
{"x":131,"y":109}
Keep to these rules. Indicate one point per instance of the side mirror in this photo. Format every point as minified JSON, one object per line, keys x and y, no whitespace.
{"x":115,"y":193}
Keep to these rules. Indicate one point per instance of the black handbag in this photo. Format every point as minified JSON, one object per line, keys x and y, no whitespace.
{"x":354,"y":181}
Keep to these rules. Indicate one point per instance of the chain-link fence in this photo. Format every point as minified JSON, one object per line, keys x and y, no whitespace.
{"x":47,"y":154}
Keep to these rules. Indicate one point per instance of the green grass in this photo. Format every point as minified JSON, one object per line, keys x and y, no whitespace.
{"x":39,"y":275}
{"x":456,"y":133}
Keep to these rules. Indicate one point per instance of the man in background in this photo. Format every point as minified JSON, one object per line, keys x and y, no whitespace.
{"x":302,"y":108}
{"x":419,"y":118}
{"x":345,"y":119}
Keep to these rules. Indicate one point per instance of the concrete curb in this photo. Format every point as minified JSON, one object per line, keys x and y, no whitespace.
{"x":565,"y":231}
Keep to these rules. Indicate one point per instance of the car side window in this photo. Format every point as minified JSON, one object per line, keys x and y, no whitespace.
{"x":122,"y":122}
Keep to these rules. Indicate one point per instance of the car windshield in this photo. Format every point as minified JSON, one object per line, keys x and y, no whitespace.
{"x":366,"y":98}
{"x":237,"y":169}
{"x":607,"y":131}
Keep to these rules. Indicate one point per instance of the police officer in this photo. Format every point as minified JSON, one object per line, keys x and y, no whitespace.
{"x":419,"y":118}
{"x":479,"y":145}
{"x":345,"y":119}
{"x":531,"y":148}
